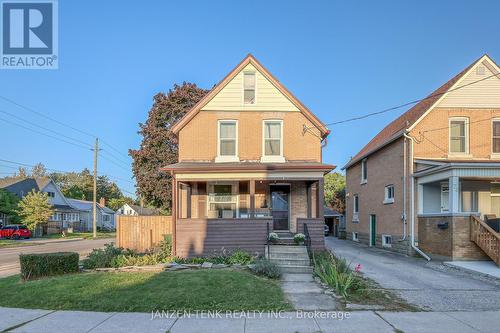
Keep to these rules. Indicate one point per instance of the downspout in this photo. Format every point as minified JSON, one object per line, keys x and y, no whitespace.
{"x":403,"y":216}
{"x":412,"y":203}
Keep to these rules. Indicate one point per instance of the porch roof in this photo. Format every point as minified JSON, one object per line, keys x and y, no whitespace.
{"x":186,"y":167}
{"x":447,"y":168}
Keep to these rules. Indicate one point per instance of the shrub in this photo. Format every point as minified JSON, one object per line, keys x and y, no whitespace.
{"x":266,"y":268}
{"x":299,"y":238}
{"x":102,"y":258}
{"x":240,"y":257}
{"x":47,"y":264}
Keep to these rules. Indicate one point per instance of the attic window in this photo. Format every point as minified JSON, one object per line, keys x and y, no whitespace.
{"x":249,"y":88}
{"x":480,"y":70}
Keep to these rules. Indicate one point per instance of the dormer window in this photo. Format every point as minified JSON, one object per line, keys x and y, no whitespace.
{"x":227,"y":145}
{"x":249,"y":88}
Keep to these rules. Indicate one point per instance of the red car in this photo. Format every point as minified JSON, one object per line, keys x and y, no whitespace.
{"x":15,"y":232}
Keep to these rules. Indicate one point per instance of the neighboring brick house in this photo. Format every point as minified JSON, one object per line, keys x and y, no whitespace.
{"x":445,"y":154}
{"x":250,"y":161}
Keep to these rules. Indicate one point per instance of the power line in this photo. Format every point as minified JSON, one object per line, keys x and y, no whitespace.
{"x":111,"y":161}
{"x":42,"y":127}
{"x":45,"y":134}
{"x":408,"y":103}
{"x":116,"y":150}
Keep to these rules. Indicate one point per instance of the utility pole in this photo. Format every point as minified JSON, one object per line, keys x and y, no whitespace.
{"x":94,"y":222}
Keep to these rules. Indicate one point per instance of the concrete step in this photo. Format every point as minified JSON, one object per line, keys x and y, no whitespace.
{"x":295,"y":269}
{"x":288,"y":255}
{"x":290,"y":262}
{"x":287,"y":249}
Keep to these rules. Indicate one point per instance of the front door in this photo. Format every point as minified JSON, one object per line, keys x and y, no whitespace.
{"x":373,"y":230}
{"x":280,"y":204}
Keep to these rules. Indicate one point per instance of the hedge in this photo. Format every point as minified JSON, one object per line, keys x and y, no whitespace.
{"x":47,"y":264}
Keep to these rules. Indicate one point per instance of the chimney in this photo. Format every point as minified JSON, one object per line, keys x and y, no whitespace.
{"x":102,"y":202}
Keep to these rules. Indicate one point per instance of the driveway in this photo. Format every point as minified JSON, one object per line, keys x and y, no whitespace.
{"x":428,"y":285}
{"x":9,"y":257}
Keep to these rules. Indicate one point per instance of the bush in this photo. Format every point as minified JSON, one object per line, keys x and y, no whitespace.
{"x":102,"y":258}
{"x":273,"y":237}
{"x":266,"y":268}
{"x":47,"y":264}
{"x":299,"y":238}
{"x":240,"y":257}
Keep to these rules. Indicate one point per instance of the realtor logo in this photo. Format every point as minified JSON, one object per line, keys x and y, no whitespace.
{"x":29,"y":35}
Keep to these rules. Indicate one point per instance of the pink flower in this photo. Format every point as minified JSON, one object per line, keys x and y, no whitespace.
{"x":357,"y":268}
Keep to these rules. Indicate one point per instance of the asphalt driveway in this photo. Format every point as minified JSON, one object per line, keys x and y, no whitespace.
{"x":428,"y":285}
{"x":9,"y":257}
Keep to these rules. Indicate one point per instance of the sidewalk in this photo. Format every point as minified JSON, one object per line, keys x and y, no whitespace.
{"x":40,"y":321}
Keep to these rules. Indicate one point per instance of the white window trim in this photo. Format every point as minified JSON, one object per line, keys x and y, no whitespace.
{"x":384,"y":244}
{"x":355,"y":214}
{"x":388,"y":200}
{"x":234,"y":192}
{"x":243,"y":89}
{"x":493,"y":154}
{"x":272,"y":158}
{"x":467,"y":137}
{"x":226,"y":158}
{"x":355,"y":237}
{"x":363,"y":167}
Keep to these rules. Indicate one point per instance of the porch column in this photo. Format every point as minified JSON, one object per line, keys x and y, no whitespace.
{"x":320,"y":198}
{"x":454,"y":194}
{"x":252,"y":198}
{"x":420,"y":198}
{"x":309,"y":199}
{"x":188,"y":201}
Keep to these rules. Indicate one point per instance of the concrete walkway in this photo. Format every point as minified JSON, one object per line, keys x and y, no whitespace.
{"x":44,"y":321}
{"x":305,"y":294}
{"x":486,"y":268}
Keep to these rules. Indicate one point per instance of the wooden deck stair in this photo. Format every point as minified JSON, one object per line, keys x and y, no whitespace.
{"x":486,"y":238}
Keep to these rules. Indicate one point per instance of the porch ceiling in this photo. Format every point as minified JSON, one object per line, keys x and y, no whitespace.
{"x":465,"y":169}
{"x":211,"y":167}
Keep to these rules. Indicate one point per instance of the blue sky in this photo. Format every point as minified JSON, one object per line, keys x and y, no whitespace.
{"x":341,"y":59}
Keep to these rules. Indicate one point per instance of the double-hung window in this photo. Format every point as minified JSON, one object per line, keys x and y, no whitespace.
{"x":355,"y":208}
{"x":495,"y":138}
{"x":227,"y":145}
{"x":273,"y":141}
{"x":249,"y":88}
{"x":389,"y":194}
{"x":459,"y":135}
{"x":364,"y":171}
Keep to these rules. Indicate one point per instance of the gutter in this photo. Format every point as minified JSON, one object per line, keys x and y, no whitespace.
{"x":412,"y":203}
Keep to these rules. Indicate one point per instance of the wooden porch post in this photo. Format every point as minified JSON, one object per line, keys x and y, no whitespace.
{"x":309,"y":199}
{"x":188,"y":201}
{"x":174,"y":217}
{"x":252,"y":198}
{"x":320,"y":198}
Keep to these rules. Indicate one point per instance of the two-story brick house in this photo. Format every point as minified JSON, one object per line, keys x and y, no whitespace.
{"x":250,"y":162}
{"x":429,"y":179}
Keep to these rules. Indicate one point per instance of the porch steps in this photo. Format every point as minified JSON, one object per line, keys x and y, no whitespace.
{"x":286,"y":237}
{"x":290,"y":258}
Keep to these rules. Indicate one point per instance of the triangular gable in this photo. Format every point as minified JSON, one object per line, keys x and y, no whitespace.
{"x":250,"y":60}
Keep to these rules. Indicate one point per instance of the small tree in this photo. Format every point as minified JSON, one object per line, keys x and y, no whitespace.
{"x":8,"y":206}
{"x":35,"y":208}
{"x":335,"y":191}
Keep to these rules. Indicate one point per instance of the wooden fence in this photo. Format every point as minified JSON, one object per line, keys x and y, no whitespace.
{"x":141,"y":233}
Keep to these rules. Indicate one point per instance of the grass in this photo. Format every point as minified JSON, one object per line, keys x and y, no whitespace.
{"x":13,"y":243}
{"x":224,"y":289}
{"x":85,"y":235}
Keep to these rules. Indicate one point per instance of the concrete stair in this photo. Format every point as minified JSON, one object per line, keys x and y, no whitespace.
{"x":290,"y":259}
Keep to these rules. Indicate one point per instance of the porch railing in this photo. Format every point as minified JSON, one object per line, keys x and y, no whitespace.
{"x":307,"y":240}
{"x":267,"y":242}
{"x":486,"y":238}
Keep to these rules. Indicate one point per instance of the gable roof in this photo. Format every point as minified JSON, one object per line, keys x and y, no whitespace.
{"x":143,"y":211}
{"x":88,"y":205}
{"x":19,"y":186}
{"x":250,"y":59}
{"x":410,"y":118}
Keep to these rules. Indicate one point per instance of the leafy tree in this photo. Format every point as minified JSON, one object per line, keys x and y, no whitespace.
{"x":21,"y":173}
{"x":116,"y":203}
{"x":35,"y":208}
{"x":8,"y":205}
{"x":335,"y":191}
{"x":39,"y":170}
{"x":159,"y":144}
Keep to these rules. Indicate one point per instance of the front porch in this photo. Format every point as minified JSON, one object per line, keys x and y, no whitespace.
{"x":454,"y":201}
{"x":216,"y":215}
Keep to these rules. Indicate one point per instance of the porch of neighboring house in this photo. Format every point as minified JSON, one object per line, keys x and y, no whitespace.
{"x":64,"y":218}
{"x":212,"y":215}
{"x":459,"y":212}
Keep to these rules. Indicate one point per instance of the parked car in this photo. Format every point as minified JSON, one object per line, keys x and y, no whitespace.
{"x":326,"y":229}
{"x":15,"y":232}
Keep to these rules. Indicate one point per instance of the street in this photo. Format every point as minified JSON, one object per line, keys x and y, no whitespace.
{"x":428,"y":285}
{"x":9,"y":257}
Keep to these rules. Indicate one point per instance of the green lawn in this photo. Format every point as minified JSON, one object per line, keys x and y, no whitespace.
{"x":86,"y":235}
{"x":225,"y":290}
{"x":13,"y":243}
